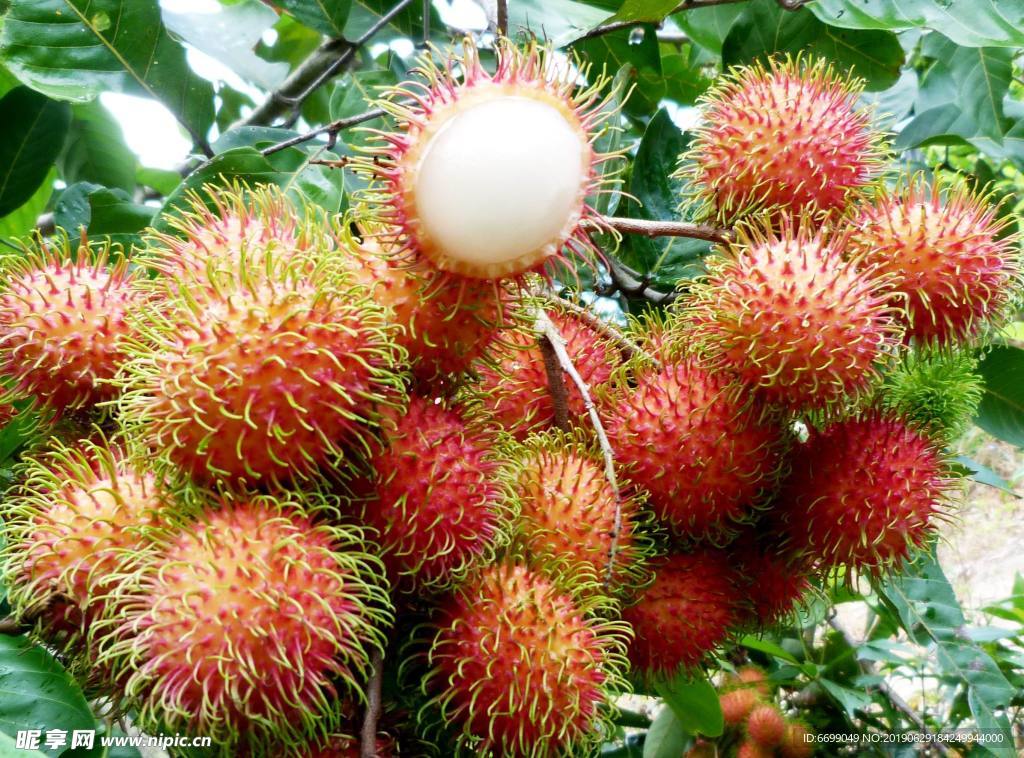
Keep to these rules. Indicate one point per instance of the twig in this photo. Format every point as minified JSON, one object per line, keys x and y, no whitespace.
{"x":368,"y":737}
{"x":332,"y":128}
{"x":556,"y":383}
{"x":322,"y":64}
{"x":501,"y":25}
{"x":629,"y":282}
{"x":545,"y":326}
{"x":883,"y":687}
{"x":646,"y":228}
{"x":10,"y":625}
{"x":627,"y":346}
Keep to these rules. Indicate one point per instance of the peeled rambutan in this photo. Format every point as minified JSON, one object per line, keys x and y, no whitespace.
{"x":947,"y":253}
{"x":446,"y":321}
{"x":737,"y":704}
{"x":513,"y":387}
{"x":74,"y":525}
{"x":792,"y":316}
{"x":864,"y":492}
{"x":519,"y":668}
{"x":702,"y":453}
{"x":488,"y":174}
{"x":788,"y":136}
{"x":684,"y":614}
{"x":246,"y":624}
{"x":765,"y":725}
{"x":63,"y":314}
{"x":434,"y":495}
{"x":251,"y":375}
{"x":566,"y":515}
{"x":223,"y":226}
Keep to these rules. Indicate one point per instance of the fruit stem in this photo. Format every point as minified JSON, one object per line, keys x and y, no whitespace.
{"x":501,"y":24}
{"x":546,"y":327}
{"x":368,"y":737}
{"x":556,"y":384}
{"x":646,"y":228}
{"x":628,"y":347}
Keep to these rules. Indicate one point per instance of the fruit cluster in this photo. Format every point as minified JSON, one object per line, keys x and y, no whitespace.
{"x":288,"y":452}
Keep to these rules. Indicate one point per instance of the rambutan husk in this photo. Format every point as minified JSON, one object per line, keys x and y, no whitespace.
{"x":249,"y":624}
{"x":786,"y":310}
{"x":434,"y":495}
{"x":63,"y":315}
{"x":947,"y":252}
{"x":491,"y":175}
{"x":571,"y":523}
{"x":518,"y":667}
{"x":260,"y":370}
{"x":788,"y":137}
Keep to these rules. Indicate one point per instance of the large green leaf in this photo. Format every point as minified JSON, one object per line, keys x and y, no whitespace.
{"x":931,"y":615}
{"x":326,"y":16}
{"x":561,"y":21}
{"x":96,"y":151}
{"x":666,"y":738}
{"x":409,"y":22}
{"x":103,"y":212}
{"x":1001,"y":412}
{"x":637,"y":49}
{"x":21,"y":221}
{"x":37,"y":693}
{"x":75,"y":49}
{"x":652,"y":11}
{"x":973,"y":23}
{"x":32,"y":132}
{"x":765,"y":29}
{"x":709,"y":26}
{"x":695,"y":704}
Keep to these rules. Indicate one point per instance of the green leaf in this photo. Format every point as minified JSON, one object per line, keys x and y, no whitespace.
{"x":694,"y":703}
{"x":976,"y":23}
{"x":96,"y":151}
{"x":230,"y":36}
{"x":611,"y":52}
{"x":765,"y":29}
{"x":32,"y":133}
{"x":21,"y":221}
{"x":1001,"y":412}
{"x":666,"y":738}
{"x":708,"y":27}
{"x":850,"y":700}
{"x":162,"y":180}
{"x":409,"y":23}
{"x":37,"y":693}
{"x":651,"y":11}
{"x":983,"y":474}
{"x":75,"y":49}
{"x":930,"y":614}
{"x":561,"y":21}
{"x":326,"y":16}
{"x":765,"y":646}
{"x":103,"y":212}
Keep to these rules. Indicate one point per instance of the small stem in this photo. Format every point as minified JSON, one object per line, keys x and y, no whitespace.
{"x":556,"y":383}
{"x":645,"y":228}
{"x":501,"y":24}
{"x":368,"y":737}
{"x":627,"y":346}
{"x":332,"y":128}
{"x":687,"y":5}
{"x":10,"y":625}
{"x":546,"y":327}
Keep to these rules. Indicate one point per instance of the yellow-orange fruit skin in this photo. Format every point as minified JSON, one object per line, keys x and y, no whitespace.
{"x":737,"y":705}
{"x":765,"y":725}
{"x":63,"y":316}
{"x":752,"y":749}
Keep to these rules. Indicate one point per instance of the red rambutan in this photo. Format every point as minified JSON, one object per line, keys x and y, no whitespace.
{"x":797,"y":741}
{"x":765,"y":725}
{"x":752,"y":749}
{"x":62,"y":317}
{"x":778,"y":577}
{"x":683,"y":435}
{"x":737,"y":704}
{"x":792,"y":316}
{"x":433,"y":495}
{"x":864,"y":492}
{"x":522,"y":669}
{"x":246,"y":623}
{"x":684,"y":614}
{"x":946,"y":252}
{"x":489,"y":173}
{"x":251,"y":375}
{"x":789,"y":136}
{"x":513,"y":387}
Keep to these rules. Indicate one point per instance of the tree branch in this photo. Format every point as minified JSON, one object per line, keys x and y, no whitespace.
{"x":368,"y":736}
{"x":556,"y":384}
{"x":11,"y":625}
{"x":501,"y":25}
{"x":554,"y":337}
{"x":883,"y":687}
{"x":626,"y":345}
{"x":324,"y":63}
{"x":629,"y":282}
{"x":332,"y":129}
{"x":646,"y":228}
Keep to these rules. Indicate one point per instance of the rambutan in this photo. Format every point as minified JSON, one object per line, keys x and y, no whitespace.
{"x":947,"y":253}
{"x":566,"y":522}
{"x":251,"y":375}
{"x":434,"y":495}
{"x":752,"y":749}
{"x":63,"y":314}
{"x":684,"y":614}
{"x":7,"y":413}
{"x":777,"y":577}
{"x":788,"y":313}
{"x":797,"y":741}
{"x":77,"y":521}
{"x":446,"y":321}
{"x":765,"y":725}
{"x":788,"y":136}
{"x":737,"y":704}
{"x":519,"y":668}
{"x":864,"y":492}
{"x":489,"y":174}
{"x":513,"y":387}
{"x":752,"y":677}
{"x":702,"y":453}
{"x":246,"y":624}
